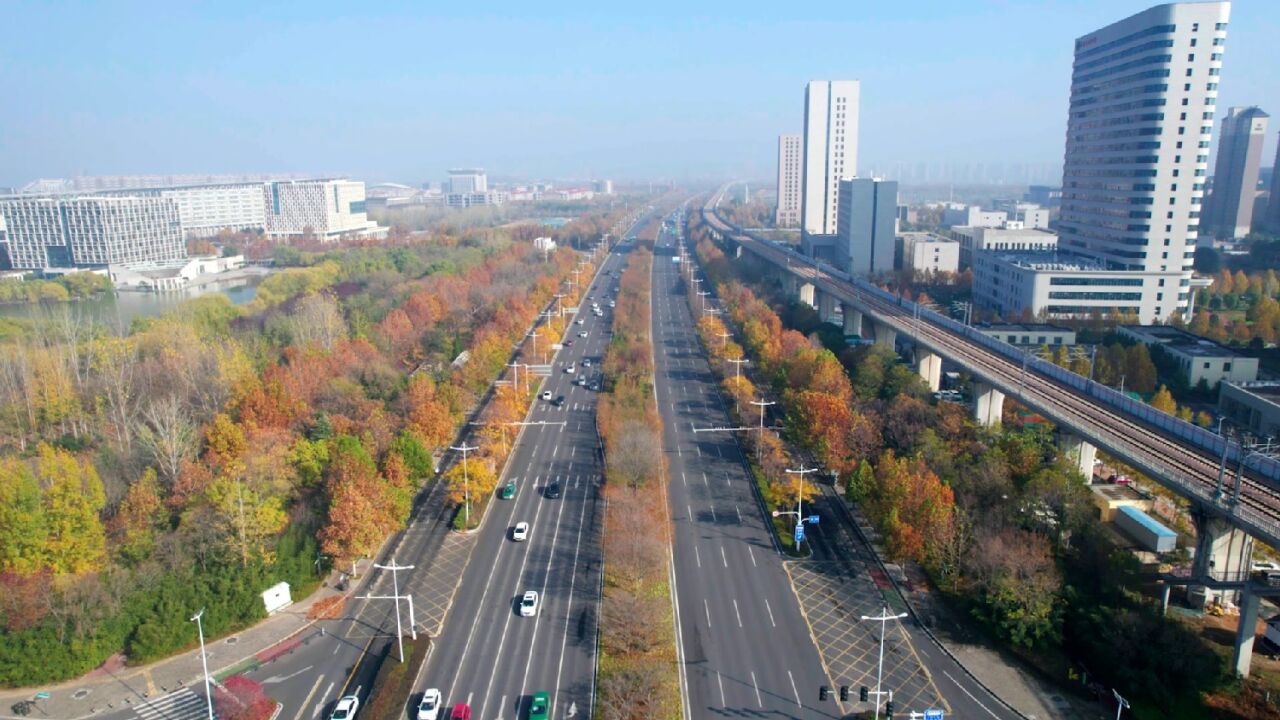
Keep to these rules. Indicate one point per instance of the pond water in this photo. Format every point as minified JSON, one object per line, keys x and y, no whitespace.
{"x":120,"y":309}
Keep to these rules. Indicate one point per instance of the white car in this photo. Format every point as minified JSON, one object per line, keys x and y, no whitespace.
{"x":346,"y":708}
{"x":546,"y":394}
{"x":582,"y":334}
{"x":586,"y":362}
{"x":429,"y":708}
{"x":612,"y":303}
{"x":529,"y":603}
{"x":570,"y":370}
{"x":520,"y":532}
{"x":581,"y":321}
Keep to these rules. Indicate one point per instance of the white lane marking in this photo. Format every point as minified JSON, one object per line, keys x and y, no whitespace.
{"x":756,"y":685}
{"x":770,"y":611}
{"x":698,"y":447}
{"x":303,"y":707}
{"x":723,"y":559}
{"x":794,"y":690}
{"x":726,"y":479}
{"x":582,"y":515}
{"x":707,"y":609}
{"x":469,"y":698}
{"x":697,"y":556}
{"x":720,"y":680}
{"x":555,"y":450}
{"x":502,"y":705}
{"x":328,"y":693}
{"x":713,"y":513}
{"x":682,"y":481}
{"x":689,"y":509}
{"x":573,"y":449}
{"x":739,"y":511}
{"x":704,"y":481}
{"x":971,"y":697}
{"x":336,"y":649}
{"x":735,"y":612}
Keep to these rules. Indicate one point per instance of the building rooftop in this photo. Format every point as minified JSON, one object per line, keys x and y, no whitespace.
{"x":1266,"y":389}
{"x":926,"y":237}
{"x":1058,"y":261}
{"x":1180,"y":340}
{"x":1022,"y":327}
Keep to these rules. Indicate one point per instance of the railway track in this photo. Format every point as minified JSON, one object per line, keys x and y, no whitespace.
{"x":1189,"y":471}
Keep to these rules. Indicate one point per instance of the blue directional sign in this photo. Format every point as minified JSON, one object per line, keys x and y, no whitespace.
{"x":813,"y":519}
{"x":932,"y":715}
{"x":42,"y":695}
{"x":799,"y":533}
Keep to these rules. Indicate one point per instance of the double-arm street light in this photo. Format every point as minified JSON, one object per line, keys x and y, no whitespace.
{"x":397,"y":597}
{"x":883,"y":618}
{"x":799,"y":511}
{"x":466,"y":483}
{"x":737,"y":363}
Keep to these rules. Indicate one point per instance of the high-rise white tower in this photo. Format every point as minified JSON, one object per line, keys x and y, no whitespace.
{"x":790,"y":147}
{"x":830,"y":151}
{"x":1143,"y":94}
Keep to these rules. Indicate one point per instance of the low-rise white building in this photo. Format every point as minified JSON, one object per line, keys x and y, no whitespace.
{"x":1063,"y":285}
{"x":1200,"y":359}
{"x":954,"y":214}
{"x":1029,"y":214}
{"x":924,"y":252}
{"x":172,"y":276}
{"x":475,"y":199}
{"x":1008,"y":238}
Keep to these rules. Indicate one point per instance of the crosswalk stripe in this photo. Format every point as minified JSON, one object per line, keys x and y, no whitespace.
{"x":181,"y":705}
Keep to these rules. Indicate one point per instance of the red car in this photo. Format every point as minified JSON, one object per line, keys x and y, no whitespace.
{"x":461,"y":711}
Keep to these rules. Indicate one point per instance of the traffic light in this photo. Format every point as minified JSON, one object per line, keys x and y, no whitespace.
{"x":844,"y":693}
{"x":888,"y":710}
{"x":863,"y":693}
{"x":822,"y":693}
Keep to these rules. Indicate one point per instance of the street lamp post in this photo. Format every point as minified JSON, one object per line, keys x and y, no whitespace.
{"x":799,"y":488}
{"x":724,"y":339}
{"x":703,"y":294}
{"x":737,"y":363}
{"x":883,"y":618}
{"x":762,"y":404}
{"x":204,"y":660}
{"x":1121,"y":703}
{"x":397,"y":597}
{"x":466,"y":484}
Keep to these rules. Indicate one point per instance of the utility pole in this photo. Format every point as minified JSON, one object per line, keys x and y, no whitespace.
{"x":738,"y":362}
{"x":724,"y":339}
{"x":559,"y":305}
{"x":395,"y":586}
{"x":515,"y":367}
{"x":703,"y":294}
{"x":883,"y":618}
{"x":466,"y":484}
{"x":799,"y":491}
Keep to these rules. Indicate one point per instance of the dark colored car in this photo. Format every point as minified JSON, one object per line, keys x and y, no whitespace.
{"x":558,"y":401}
{"x":553,"y":490}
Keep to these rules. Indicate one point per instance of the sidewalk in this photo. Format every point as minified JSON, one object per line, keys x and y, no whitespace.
{"x":113,"y":687}
{"x":1019,"y":687}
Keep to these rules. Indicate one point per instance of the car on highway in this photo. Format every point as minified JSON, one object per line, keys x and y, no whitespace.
{"x":586,"y":362}
{"x":346,"y":708}
{"x":553,"y":490}
{"x":568,"y":343}
{"x":595,"y":387}
{"x":570,"y":369}
{"x":612,"y":304}
{"x":581,"y":381}
{"x":461,"y":711}
{"x":529,"y":603}
{"x":429,"y":706}
{"x":509,"y":490}
{"x":580,"y":321}
{"x":546,"y":394}
{"x":520,"y":532}
{"x":582,"y":334}
{"x":538,"y":706}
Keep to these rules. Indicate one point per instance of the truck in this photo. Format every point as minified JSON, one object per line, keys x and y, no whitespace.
{"x":1148,"y":533}
{"x":675,"y":259}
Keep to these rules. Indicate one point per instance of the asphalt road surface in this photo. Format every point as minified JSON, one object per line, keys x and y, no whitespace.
{"x":745,"y":648}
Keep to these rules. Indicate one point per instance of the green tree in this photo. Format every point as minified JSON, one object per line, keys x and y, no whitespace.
{"x":73,"y":498}
{"x":23,"y":528}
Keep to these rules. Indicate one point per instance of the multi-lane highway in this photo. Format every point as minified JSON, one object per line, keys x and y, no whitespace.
{"x":489,"y":656}
{"x":745,"y":648}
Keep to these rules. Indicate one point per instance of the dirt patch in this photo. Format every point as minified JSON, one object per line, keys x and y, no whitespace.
{"x":330,"y":608}
{"x":111,"y":667}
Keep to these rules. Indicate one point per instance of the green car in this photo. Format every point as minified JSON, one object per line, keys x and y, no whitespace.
{"x":538,"y":706}
{"x":509,"y":490}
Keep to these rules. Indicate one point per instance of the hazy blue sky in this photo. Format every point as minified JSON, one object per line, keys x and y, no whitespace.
{"x":402,"y":91}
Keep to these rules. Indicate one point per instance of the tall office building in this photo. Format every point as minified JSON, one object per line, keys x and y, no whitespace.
{"x":1271,"y":219}
{"x":91,"y":231}
{"x":1138,"y":130}
{"x":830,"y":151}
{"x":467,"y":180}
{"x":868,"y":225}
{"x":1228,"y":210}
{"x":790,"y":147}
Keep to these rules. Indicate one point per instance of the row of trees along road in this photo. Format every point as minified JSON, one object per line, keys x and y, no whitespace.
{"x":637,"y":665}
{"x":194,"y":459}
{"x":1003,"y":526}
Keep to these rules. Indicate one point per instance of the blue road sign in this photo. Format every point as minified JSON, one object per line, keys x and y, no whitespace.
{"x":799,"y":533}
{"x":42,"y":695}
{"x":813,"y":519}
{"x":932,"y":715}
